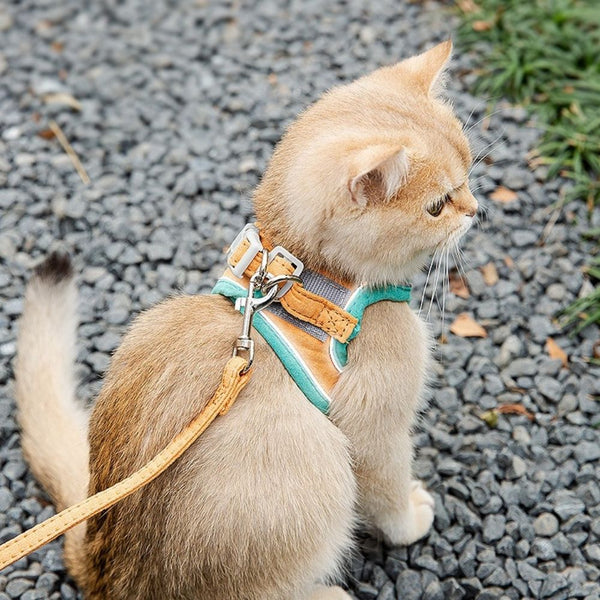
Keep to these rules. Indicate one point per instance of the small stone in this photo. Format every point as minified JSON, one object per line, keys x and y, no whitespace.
{"x":14,"y":470}
{"x":387,"y":592}
{"x":6,"y":499}
{"x":364,"y":591}
{"x":433,"y":591}
{"x":493,"y":528}
{"x":587,"y":451}
{"x":553,"y":583}
{"x":18,"y":587}
{"x":567,"y":504}
{"x":518,"y":467}
{"x":524,"y":237}
{"x":592,"y":553}
{"x":549,"y":387}
{"x":546,"y":525}
{"x":408,"y":585}
{"x":543,"y":549}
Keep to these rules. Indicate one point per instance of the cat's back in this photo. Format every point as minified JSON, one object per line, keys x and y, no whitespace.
{"x":272,"y":474}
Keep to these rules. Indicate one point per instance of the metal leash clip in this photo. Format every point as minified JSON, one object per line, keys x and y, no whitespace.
{"x":263,"y":290}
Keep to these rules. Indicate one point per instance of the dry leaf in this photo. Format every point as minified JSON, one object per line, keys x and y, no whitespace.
{"x":458,"y":285}
{"x":596,"y":350}
{"x":503,"y":194}
{"x":46,"y":134}
{"x":466,"y":326}
{"x":515,"y":409}
{"x":555,"y":351}
{"x":482,"y":25}
{"x":467,"y":6}
{"x":62,"y":98}
{"x":490,"y":274}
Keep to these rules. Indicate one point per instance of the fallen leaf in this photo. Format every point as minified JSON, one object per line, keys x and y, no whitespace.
{"x":503,"y":194}
{"x":458,"y":285}
{"x":466,"y":326}
{"x":515,"y":409}
{"x":555,"y":351}
{"x":482,"y":25}
{"x":467,"y":6}
{"x":490,"y":274}
{"x":62,"y":98}
{"x":46,"y":134}
{"x":490,"y":417}
{"x":596,"y":349}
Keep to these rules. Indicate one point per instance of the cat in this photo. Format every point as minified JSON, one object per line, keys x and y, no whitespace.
{"x":364,"y":186}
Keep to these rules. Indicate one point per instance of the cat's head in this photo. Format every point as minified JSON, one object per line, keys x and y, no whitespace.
{"x":372,"y":178}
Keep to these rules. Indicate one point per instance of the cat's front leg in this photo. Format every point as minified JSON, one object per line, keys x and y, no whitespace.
{"x":390,"y":498}
{"x":375,"y":405}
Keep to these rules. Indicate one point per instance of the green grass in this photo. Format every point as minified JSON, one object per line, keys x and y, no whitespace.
{"x":543,"y":54}
{"x":586,"y":311}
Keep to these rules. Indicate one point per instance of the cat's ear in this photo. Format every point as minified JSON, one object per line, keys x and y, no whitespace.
{"x":378,"y":172}
{"x":428,"y":68}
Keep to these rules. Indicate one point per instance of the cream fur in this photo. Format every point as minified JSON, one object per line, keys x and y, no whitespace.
{"x":263,"y":506}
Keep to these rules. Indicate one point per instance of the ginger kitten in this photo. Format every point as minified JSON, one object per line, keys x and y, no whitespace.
{"x":363,"y":186}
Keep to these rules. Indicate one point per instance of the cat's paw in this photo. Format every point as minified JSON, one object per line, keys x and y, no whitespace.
{"x":416,"y":520}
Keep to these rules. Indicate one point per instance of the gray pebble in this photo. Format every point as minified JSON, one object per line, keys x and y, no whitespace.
{"x":546,"y":525}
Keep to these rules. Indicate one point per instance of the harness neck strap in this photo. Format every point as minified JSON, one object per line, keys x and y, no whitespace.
{"x":245,"y":258}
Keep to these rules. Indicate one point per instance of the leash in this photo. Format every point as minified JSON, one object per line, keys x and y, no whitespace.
{"x":263,"y":291}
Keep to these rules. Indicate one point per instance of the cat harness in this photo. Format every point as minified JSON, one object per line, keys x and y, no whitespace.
{"x":314,"y":317}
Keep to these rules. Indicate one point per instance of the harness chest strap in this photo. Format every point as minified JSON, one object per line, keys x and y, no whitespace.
{"x":234,"y":379}
{"x":301,"y":303}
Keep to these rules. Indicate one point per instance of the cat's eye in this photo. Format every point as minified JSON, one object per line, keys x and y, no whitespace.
{"x":435,"y":210}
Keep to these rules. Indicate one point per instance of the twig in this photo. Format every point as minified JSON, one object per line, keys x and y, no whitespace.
{"x":60,"y":136}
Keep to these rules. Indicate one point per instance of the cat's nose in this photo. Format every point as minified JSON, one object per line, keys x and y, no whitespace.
{"x":472,"y":212}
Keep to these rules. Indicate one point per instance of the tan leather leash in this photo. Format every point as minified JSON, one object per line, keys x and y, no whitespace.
{"x":264,"y":288}
{"x":235,"y":376}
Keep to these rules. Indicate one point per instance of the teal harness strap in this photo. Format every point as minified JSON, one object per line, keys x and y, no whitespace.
{"x":359,"y":301}
{"x":356,"y":305}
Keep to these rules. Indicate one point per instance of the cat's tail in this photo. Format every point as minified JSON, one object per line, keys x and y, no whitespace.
{"x":54,"y":425}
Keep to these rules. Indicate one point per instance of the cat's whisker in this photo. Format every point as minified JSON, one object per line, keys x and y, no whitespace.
{"x":483,"y":153}
{"x":445,"y":287}
{"x":495,"y":144}
{"x":427,"y":278}
{"x":435,"y":285}
{"x":468,"y":130}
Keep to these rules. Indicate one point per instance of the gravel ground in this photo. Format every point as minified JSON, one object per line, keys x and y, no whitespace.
{"x":179,"y":111}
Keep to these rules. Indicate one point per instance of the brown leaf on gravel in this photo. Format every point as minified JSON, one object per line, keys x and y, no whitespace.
{"x":490,"y":274}
{"x":465,"y":326}
{"x":555,"y":351}
{"x":482,"y":25}
{"x":458,"y":286}
{"x":503,"y":194}
{"x":515,"y":409}
{"x":46,"y":134}
{"x":64,"y":99}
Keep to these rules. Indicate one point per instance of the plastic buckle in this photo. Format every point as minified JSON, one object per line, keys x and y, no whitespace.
{"x":295,"y":262}
{"x":250,"y":233}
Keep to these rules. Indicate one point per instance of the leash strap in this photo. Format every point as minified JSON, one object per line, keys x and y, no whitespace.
{"x":298,"y":301}
{"x":235,"y":377}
